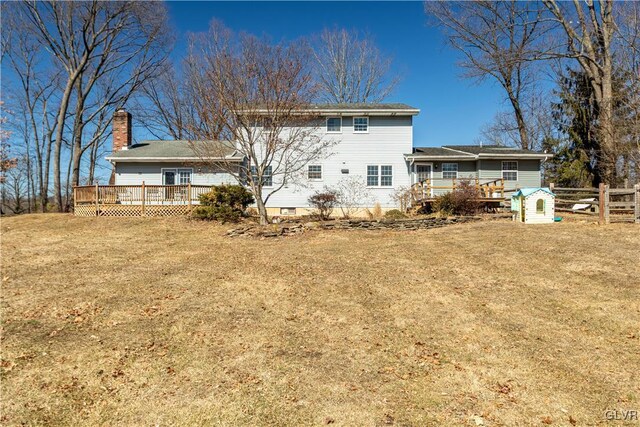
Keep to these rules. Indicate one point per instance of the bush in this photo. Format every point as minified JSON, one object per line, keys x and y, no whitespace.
{"x":224,"y":203}
{"x":461,"y":201}
{"x":323,"y":203}
{"x":394,"y":214}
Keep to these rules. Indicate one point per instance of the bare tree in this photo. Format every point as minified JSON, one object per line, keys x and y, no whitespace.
{"x":589,"y":32}
{"x":350,"y":68}
{"x":165,"y":107}
{"x":256,"y":96}
{"x":353,"y":195}
{"x":89,"y":41}
{"x":498,"y":40}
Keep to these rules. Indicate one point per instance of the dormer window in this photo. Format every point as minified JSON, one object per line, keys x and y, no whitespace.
{"x":334,"y":125}
{"x":360,"y":124}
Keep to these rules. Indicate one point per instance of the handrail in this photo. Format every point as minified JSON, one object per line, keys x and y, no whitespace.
{"x":138,"y":194}
{"x":424,"y":189}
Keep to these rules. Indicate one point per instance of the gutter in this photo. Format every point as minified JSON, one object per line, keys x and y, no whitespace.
{"x":170,"y":159}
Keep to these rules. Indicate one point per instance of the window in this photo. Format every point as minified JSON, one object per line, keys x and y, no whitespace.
{"x":314,"y":172}
{"x":372,"y":176}
{"x":510,"y":171}
{"x":184,"y":176}
{"x":176,"y":176}
{"x":361,"y":124}
{"x":449,"y":170}
{"x":267,"y":179}
{"x":287,"y":211}
{"x":386,"y":176}
{"x":334,"y":124}
{"x":540,"y":206}
{"x":379,"y":176}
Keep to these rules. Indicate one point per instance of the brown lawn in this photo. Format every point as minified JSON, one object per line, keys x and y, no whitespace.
{"x":166,"y":322}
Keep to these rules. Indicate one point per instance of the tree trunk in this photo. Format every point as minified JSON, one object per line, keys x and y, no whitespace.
{"x":62,"y":116}
{"x":262,"y":211}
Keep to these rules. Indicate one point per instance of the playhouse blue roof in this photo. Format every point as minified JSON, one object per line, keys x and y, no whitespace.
{"x":526,"y":192}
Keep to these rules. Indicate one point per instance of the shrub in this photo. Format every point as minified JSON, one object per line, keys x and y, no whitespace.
{"x":461,"y":201}
{"x":394,"y":214}
{"x":323,"y":203}
{"x":225,"y":203}
{"x":377,"y":211}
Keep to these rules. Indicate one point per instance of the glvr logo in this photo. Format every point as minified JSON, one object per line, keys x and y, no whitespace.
{"x":621,"y":414}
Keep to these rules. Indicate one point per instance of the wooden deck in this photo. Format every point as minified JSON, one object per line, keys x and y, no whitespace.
{"x":489,"y":191}
{"x":136,"y":200}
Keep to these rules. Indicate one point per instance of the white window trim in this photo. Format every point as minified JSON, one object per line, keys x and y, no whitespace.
{"x":288,"y":213}
{"x":450,"y":163}
{"x":321,"y":173}
{"x":326,"y":125}
{"x":379,"y":185}
{"x":360,"y":131}
{"x":503,"y":170}
{"x":176,"y":172}
{"x":264,"y":185}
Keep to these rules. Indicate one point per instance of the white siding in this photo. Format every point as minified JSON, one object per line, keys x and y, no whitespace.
{"x":151,"y":174}
{"x":388,"y":139}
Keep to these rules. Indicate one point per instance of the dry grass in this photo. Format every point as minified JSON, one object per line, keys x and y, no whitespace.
{"x":150,"y":321}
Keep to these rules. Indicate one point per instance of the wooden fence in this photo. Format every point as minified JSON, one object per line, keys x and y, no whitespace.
{"x":608,"y":204}
{"x":136,"y":200}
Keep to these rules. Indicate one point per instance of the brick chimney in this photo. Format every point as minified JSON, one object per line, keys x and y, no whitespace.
{"x":121,"y":130}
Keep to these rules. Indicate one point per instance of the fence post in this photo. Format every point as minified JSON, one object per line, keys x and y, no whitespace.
{"x":551,"y":186}
{"x":601,"y":203}
{"x":75,"y":197}
{"x":97,"y":197}
{"x":143,"y":197}
{"x":189,"y":195}
{"x":607,"y":198}
{"x":636,"y":202}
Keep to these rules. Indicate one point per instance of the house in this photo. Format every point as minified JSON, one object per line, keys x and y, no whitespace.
{"x":533,"y":205}
{"x":373,"y":145}
{"x":516,"y":168}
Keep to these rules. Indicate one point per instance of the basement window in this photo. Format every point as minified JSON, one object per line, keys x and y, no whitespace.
{"x":287,"y":211}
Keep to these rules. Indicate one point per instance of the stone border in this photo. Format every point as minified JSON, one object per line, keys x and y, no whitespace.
{"x":292,"y":228}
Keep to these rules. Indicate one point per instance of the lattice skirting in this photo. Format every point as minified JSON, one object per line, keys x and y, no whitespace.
{"x":132,"y":210}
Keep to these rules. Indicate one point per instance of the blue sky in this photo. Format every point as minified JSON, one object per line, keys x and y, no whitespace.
{"x":453,"y":109}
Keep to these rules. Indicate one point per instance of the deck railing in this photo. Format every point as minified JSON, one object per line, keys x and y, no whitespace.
{"x":487,"y":189}
{"x":136,"y":200}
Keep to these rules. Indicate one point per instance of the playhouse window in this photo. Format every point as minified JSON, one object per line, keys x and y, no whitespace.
{"x":540,"y":206}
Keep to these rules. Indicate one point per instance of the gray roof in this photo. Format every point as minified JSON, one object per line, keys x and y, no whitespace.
{"x":473,"y":152}
{"x":490,"y":149}
{"x":173,"y":150}
{"x":363,"y":106}
{"x":435,"y":151}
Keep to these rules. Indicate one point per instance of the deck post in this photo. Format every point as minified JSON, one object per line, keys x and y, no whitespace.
{"x":143,"y":197}
{"x":189,"y":195}
{"x":97,"y":197}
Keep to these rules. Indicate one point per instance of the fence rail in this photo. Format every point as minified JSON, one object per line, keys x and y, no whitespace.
{"x":136,"y":200}
{"x":608,"y":204}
